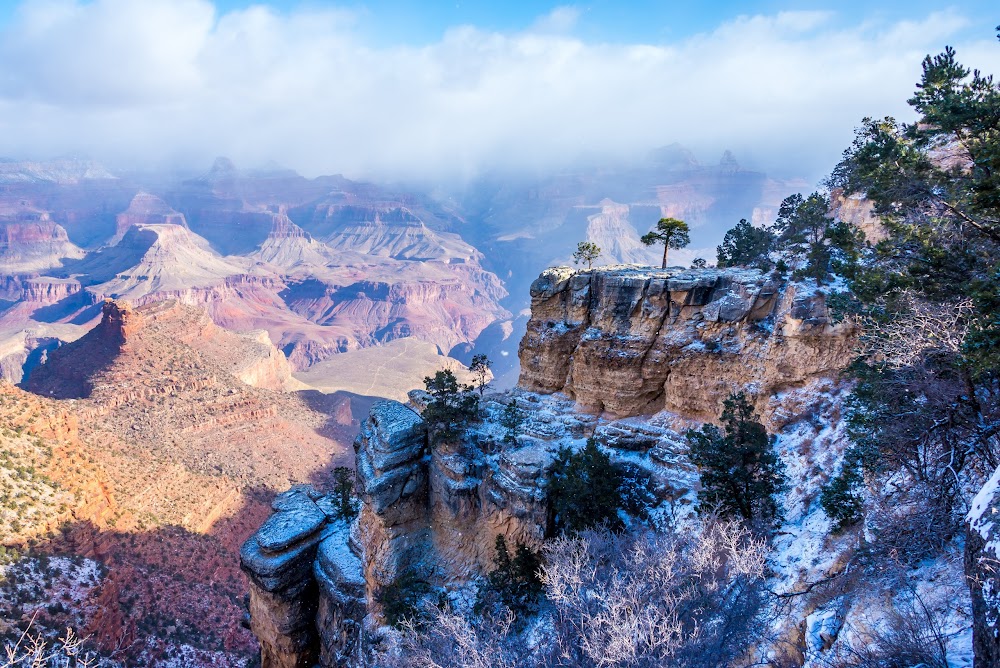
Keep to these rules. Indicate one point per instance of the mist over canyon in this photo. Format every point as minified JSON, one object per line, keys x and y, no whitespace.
{"x":330,"y":265}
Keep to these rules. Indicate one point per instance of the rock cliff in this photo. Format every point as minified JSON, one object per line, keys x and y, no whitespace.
{"x":32,"y":242}
{"x":982,"y":570}
{"x":632,"y":341}
{"x":434,"y":512}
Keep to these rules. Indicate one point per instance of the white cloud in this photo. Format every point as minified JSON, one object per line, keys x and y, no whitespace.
{"x":171,"y":79}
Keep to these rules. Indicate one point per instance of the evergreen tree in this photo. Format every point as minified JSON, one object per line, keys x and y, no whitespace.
{"x":584,"y":490}
{"x":452,"y":407}
{"x":925,"y":399}
{"x":343,"y":492}
{"x":670,"y":232}
{"x":514,"y":583}
{"x":586,"y":251}
{"x":511,"y":420}
{"x":841,"y":498}
{"x":746,"y":246}
{"x":740,"y":473}
{"x":480,"y":368}
{"x":801,"y":229}
{"x":401,"y":598}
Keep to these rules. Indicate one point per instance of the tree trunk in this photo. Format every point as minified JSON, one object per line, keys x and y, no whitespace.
{"x":666,"y":246}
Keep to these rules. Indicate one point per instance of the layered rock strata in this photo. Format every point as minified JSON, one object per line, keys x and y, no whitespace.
{"x":632,"y":341}
{"x":306,"y":587}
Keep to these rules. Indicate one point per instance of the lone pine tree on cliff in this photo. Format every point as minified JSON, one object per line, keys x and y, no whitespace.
{"x":586,"y":251}
{"x":672,"y":233}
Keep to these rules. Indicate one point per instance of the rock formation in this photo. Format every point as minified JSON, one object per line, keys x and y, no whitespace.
{"x":857,"y":211}
{"x":32,"y":242}
{"x":634,"y":341}
{"x":436,"y":511}
{"x":602,"y":354}
{"x":307,"y":589}
{"x":146,"y":209}
{"x":982,"y":570}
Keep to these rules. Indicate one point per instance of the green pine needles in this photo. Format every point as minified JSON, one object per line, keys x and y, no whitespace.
{"x":740,"y":472}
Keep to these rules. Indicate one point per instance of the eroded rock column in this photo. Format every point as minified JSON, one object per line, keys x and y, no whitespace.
{"x":283,"y":593}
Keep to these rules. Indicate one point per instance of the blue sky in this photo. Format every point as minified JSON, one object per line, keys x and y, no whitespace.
{"x":397,"y":89}
{"x":650,"y":21}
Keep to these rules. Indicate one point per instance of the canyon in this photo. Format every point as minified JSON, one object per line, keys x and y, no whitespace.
{"x":600,"y":359}
{"x":328,"y":265}
{"x":185,"y":327}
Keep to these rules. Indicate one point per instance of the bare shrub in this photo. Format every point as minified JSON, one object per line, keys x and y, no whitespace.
{"x":650,"y":599}
{"x":910,"y":636}
{"x":696,"y":600}
{"x":907,"y":526}
{"x":926,"y":327}
{"x":34,"y":651}
{"x":450,"y":640}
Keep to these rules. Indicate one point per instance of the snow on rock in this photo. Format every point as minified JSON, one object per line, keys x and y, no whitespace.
{"x":982,"y":567}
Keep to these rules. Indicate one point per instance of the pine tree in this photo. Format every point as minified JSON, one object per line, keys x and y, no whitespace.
{"x":480,"y":368}
{"x":343,"y":492}
{"x":670,"y":232}
{"x":746,"y":246}
{"x":740,"y":473}
{"x":925,"y":398}
{"x":585,"y":489}
{"x":586,"y":251}
{"x":511,"y":420}
{"x":452,"y":407}
{"x":840,"y":498}
{"x":514,"y":583}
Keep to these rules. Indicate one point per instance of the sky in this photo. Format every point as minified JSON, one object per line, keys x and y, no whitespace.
{"x":390,"y":89}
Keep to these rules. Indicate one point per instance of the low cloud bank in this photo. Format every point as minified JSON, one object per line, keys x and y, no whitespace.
{"x":176,"y":81}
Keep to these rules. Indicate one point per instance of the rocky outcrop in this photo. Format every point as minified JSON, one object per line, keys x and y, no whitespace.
{"x":623,"y":341}
{"x":394,"y":487}
{"x":631,"y":341}
{"x":859,"y":212}
{"x":306,"y":586}
{"x":435,"y":512}
{"x":283,"y":596}
{"x":982,"y":572}
{"x":146,"y":209}
{"x":32,"y":242}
